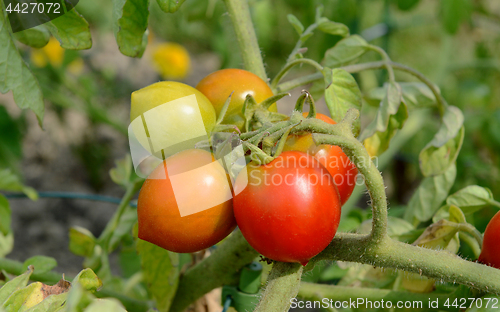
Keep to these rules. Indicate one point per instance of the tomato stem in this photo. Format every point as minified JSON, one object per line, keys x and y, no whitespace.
{"x":239,"y":13}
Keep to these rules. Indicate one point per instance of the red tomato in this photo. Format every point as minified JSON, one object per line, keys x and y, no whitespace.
{"x":344,"y":172}
{"x":218,"y":86}
{"x":289,"y":210}
{"x":490,"y":253}
{"x":198,"y":181}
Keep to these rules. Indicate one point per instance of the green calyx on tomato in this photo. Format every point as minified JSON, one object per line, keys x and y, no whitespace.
{"x":219,"y":85}
{"x":171,"y":217}
{"x":490,"y":253}
{"x":289,"y":209}
{"x":343,"y":171}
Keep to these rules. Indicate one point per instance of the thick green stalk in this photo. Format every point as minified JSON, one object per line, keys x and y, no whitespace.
{"x":388,"y":253}
{"x":239,"y":12}
{"x":311,"y":292}
{"x":283,"y":284}
{"x":221,"y":268}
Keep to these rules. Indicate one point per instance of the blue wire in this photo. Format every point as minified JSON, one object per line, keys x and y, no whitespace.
{"x":227,"y":303}
{"x":71,"y":195}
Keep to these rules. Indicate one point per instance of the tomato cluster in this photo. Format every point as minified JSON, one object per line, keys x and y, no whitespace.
{"x":288,"y":209}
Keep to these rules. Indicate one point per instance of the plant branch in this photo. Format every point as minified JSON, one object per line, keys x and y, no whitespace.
{"x":290,"y":65}
{"x":239,"y":13}
{"x":221,"y":268}
{"x":387,"y":61}
{"x":440,"y":265}
{"x":283,"y":284}
{"x":289,"y":85}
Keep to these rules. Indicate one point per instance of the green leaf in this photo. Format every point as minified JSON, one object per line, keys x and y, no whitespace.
{"x":4,"y":216}
{"x":6,"y":244}
{"x":36,"y":37}
{"x":24,"y":298}
{"x":131,"y":23}
{"x":454,"y":12}
{"x":127,"y":221}
{"x":431,"y":192}
{"x":13,"y":285}
{"x":161,"y":272}
{"x":81,"y":241}
{"x":170,"y":6}
{"x":15,"y":75}
{"x":437,"y":235}
{"x":50,"y":304}
{"x":10,"y":140}
{"x":105,"y":305}
{"x":72,"y":30}
{"x":10,"y":182}
{"x":397,"y":227}
{"x":415,"y":94}
{"x":391,"y":116}
{"x":122,"y":172}
{"x":471,"y":198}
{"x":406,"y":5}
{"x":77,"y":299}
{"x":341,"y":93}
{"x":295,"y":23}
{"x":345,"y":51}
{"x":332,"y":28}
{"x":88,"y":279}
{"x":456,"y":215}
{"x":443,"y":150}
{"x":41,"y":264}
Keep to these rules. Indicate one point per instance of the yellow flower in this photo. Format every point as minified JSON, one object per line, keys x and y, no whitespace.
{"x":52,"y":53}
{"x":171,"y":60}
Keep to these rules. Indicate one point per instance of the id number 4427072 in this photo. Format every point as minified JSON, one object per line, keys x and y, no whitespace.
{"x":464,"y":303}
{"x":34,"y":7}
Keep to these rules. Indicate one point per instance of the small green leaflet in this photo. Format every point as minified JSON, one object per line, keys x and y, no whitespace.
{"x":72,"y":31}
{"x":443,"y":150}
{"x":341,"y":93}
{"x":345,"y":51}
{"x":36,"y":37}
{"x":333,"y":28}
{"x":428,"y":197}
{"x":15,"y":75}
{"x":295,"y":23}
{"x":391,"y":116}
{"x":161,"y":272}
{"x":471,"y":198}
{"x":170,"y":6}
{"x":130,"y":26}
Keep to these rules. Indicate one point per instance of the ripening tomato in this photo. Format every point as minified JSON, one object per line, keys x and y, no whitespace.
{"x":218,"y":86}
{"x":185,"y":204}
{"x":165,"y":91}
{"x":344,"y":172}
{"x":289,"y":209}
{"x":490,"y":253}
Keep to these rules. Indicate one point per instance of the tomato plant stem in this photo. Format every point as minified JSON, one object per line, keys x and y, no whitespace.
{"x":290,"y":65}
{"x":282,"y":284}
{"x":221,"y":268}
{"x":239,"y":13}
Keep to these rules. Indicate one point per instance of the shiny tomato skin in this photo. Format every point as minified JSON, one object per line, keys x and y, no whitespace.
{"x":292,"y":220}
{"x":218,"y":85}
{"x":490,"y":253}
{"x":158,"y":213}
{"x":344,"y":172}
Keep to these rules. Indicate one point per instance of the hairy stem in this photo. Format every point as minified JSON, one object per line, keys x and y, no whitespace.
{"x":219,"y":269}
{"x":283,"y":284}
{"x":239,"y":13}
{"x":440,"y":265}
{"x":290,"y":65}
